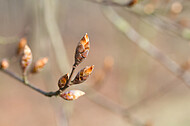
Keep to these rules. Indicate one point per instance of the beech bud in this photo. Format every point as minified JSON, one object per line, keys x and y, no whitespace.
{"x":72,"y":94}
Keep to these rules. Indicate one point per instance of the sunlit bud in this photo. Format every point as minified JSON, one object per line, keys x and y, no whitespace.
{"x":132,"y":3}
{"x":26,"y":59}
{"x":72,"y":94}
{"x":108,"y":63}
{"x":82,"y":49}
{"x":83,"y":74}
{"x":4,"y":64}
{"x":39,"y":65}
{"x":149,"y":8}
{"x":176,"y":7}
{"x":63,"y":80}
{"x":21,"y":45}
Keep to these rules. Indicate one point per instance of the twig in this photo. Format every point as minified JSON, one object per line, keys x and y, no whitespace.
{"x":123,"y":26}
{"x":69,"y":80}
{"x":48,"y":94}
{"x":112,"y":3}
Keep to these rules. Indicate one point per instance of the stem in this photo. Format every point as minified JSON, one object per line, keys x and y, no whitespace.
{"x":69,"y":80}
{"x":48,"y":94}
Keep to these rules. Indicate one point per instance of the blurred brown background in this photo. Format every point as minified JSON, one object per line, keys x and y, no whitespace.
{"x":53,"y":29}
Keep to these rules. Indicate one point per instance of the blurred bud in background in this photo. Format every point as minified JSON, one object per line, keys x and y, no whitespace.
{"x":39,"y":65}
{"x":4,"y":64}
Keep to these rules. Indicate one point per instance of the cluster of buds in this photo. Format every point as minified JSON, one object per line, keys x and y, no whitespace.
{"x":4,"y":64}
{"x":26,"y":59}
{"x":81,"y":53}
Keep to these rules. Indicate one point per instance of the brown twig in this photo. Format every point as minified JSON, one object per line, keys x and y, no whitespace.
{"x":112,"y":3}
{"x":13,"y":75}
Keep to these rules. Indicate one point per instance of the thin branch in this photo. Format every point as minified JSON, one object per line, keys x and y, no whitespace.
{"x":16,"y":77}
{"x":69,"y":80}
{"x":112,"y":3}
{"x":124,"y":27}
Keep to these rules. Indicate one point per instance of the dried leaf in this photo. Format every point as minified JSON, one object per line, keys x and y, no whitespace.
{"x":39,"y":65}
{"x":4,"y":64}
{"x":26,"y":59}
{"x":72,"y":94}
{"x":63,"y":80}
{"x":83,"y":74}
{"x":82,"y":49}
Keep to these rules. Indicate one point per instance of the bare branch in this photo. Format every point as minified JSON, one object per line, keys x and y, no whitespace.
{"x":124,"y":27}
{"x":13,"y":75}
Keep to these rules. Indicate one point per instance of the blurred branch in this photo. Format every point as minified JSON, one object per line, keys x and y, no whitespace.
{"x":55,"y":36}
{"x":13,"y":75}
{"x":113,"y":3}
{"x":105,"y":102}
{"x":124,"y":27}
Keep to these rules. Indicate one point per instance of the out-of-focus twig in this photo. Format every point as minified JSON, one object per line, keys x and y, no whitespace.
{"x":123,"y":26}
{"x":113,"y":3}
{"x":56,"y":39}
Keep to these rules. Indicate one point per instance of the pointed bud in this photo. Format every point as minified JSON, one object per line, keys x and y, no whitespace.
{"x":39,"y":65}
{"x":63,"y":80}
{"x":21,"y":45}
{"x":82,"y":49}
{"x":72,"y":94}
{"x":83,"y":74}
{"x":26,"y":59}
{"x":4,"y":64}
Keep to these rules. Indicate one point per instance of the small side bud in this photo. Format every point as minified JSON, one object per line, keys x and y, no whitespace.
{"x":72,"y":94}
{"x":83,"y":75}
{"x":39,"y":65}
{"x":26,"y":59}
{"x":4,"y":64}
{"x":63,"y":80}
{"x":82,"y":49}
{"x":21,"y":45}
{"x":108,"y":63}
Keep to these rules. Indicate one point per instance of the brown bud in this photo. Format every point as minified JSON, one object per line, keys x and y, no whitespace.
{"x":132,"y":3}
{"x":108,"y":63}
{"x":39,"y":65}
{"x":72,"y":94}
{"x":26,"y":59}
{"x":83,"y":75}
{"x":4,"y":64}
{"x":82,"y":49}
{"x":63,"y":80}
{"x":21,"y":45}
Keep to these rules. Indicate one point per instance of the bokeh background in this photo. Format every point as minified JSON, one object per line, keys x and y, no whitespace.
{"x":130,"y":85}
